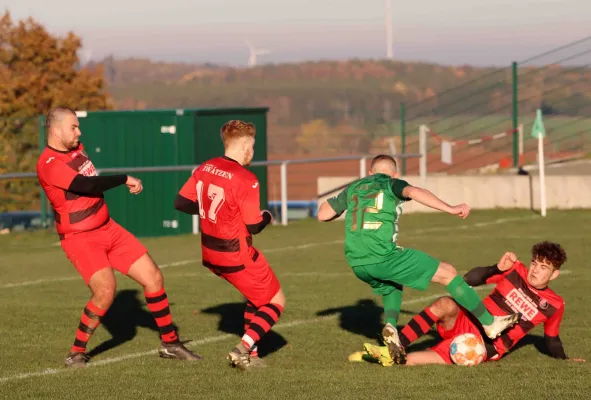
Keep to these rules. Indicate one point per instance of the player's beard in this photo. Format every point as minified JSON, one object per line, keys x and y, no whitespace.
{"x":73,"y":145}
{"x":248,"y":158}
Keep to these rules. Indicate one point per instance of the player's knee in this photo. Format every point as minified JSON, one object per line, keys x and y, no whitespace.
{"x":104,"y":295}
{"x":445,"y":273}
{"x":146,"y":273}
{"x":157,"y":278}
{"x":444,"y":307}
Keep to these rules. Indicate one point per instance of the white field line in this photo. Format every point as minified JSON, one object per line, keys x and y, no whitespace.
{"x":211,"y":339}
{"x":306,"y":274}
{"x":279,"y":249}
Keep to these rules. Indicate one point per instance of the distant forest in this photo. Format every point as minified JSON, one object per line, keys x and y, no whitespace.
{"x":347,"y":98}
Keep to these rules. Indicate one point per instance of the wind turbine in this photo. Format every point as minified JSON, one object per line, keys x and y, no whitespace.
{"x":389,"y":29}
{"x":253,"y":53}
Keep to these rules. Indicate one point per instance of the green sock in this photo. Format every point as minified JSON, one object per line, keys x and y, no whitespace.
{"x":469,"y":299}
{"x":392,"y":305}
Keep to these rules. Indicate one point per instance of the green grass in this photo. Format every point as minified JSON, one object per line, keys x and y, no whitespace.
{"x":309,"y":357}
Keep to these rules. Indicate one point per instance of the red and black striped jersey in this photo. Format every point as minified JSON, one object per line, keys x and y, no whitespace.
{"x":228,"y":196}
{"x":513,"y":294}
{"x":73,"y":212}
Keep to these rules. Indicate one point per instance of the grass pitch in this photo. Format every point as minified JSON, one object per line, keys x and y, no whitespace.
{"x":329,"y":314}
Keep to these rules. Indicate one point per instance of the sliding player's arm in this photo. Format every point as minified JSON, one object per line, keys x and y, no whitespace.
{"x":551,"y":337}
{"x":428,"y":199}
{"x":186,"y":200}
{"x":333,"y":208}
{"x":249,"y":201}
{"x":491,"y":274}
{"x":480,"y":275}
{"x":58,"y":174}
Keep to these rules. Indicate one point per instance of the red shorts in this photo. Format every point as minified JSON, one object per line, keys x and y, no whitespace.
{"x":463,"y":324}
{"x":111,"y":245}
{"x":257,"y":281}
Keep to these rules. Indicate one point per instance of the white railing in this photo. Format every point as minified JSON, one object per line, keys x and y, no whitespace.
{"x":283,"y":172}
{"x":362,"y":171}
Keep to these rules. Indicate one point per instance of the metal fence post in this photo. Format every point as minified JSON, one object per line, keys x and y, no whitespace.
{"x":362,"y":167}
{"x":423,"y":152}
{"x":284,"y":193}
{"x":520,"y":133}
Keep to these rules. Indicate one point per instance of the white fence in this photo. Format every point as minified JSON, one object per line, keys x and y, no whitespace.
{"x":283,"y":173}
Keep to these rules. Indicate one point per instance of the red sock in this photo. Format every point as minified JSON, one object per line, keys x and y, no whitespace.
{"x":158,"y":305}
{"x":262,"y":322}
{"x":249,"y":312}
{"x":90,"y":319}
{"x":417,"y":327}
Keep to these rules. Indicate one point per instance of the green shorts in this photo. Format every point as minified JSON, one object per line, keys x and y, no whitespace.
{"x":407,"y":267}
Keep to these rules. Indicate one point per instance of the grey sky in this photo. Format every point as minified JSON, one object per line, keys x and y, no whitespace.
{"x":479,"y":32}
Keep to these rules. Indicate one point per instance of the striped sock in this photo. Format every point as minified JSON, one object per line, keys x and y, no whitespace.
{"x":262,"y":322}
{"x":249,"y":312}
{"x":417,"y":327}
{"x":90,"y":319}
{"x":158,"y":305}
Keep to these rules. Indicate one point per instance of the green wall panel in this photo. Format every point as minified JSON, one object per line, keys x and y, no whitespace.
{"x":142,"y":139}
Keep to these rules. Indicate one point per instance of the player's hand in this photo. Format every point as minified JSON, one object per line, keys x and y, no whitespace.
{"x":576,"y":360}
{"x":134,"y":185}
{"x":507,"y":261}
{"x":462,"y":210}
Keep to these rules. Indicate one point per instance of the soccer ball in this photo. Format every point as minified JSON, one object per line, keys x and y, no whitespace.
{"x":467,"y":350}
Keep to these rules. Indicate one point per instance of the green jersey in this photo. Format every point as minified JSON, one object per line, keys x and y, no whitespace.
{"x":373,"y":206}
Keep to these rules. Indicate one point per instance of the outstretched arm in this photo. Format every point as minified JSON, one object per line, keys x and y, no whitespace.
{"x":333,"y":207}
{"x":428,"y":199}
{"x":58,"y":174}
{"x":479,"y":275}
{"x":554,"y":347}
{"x":326,"y":212}
{"x":552,"y":338}
{"x":95,"y":185}
{"x":491,"y":274}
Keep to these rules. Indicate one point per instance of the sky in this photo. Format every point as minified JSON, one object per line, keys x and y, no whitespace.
{"x":476,"y":32}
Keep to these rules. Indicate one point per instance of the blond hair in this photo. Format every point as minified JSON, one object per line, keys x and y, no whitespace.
{"x":236,"y":129}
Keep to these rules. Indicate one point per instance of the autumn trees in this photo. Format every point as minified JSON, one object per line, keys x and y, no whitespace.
{"x":37,"y":71}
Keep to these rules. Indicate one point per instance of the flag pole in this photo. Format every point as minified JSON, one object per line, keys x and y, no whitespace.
{"x":538,"y":131}
{"x":542,"y":175}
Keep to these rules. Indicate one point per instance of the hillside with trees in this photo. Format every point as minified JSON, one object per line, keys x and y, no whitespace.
{"x":340,"y":107}
{"x":349,"y":99}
